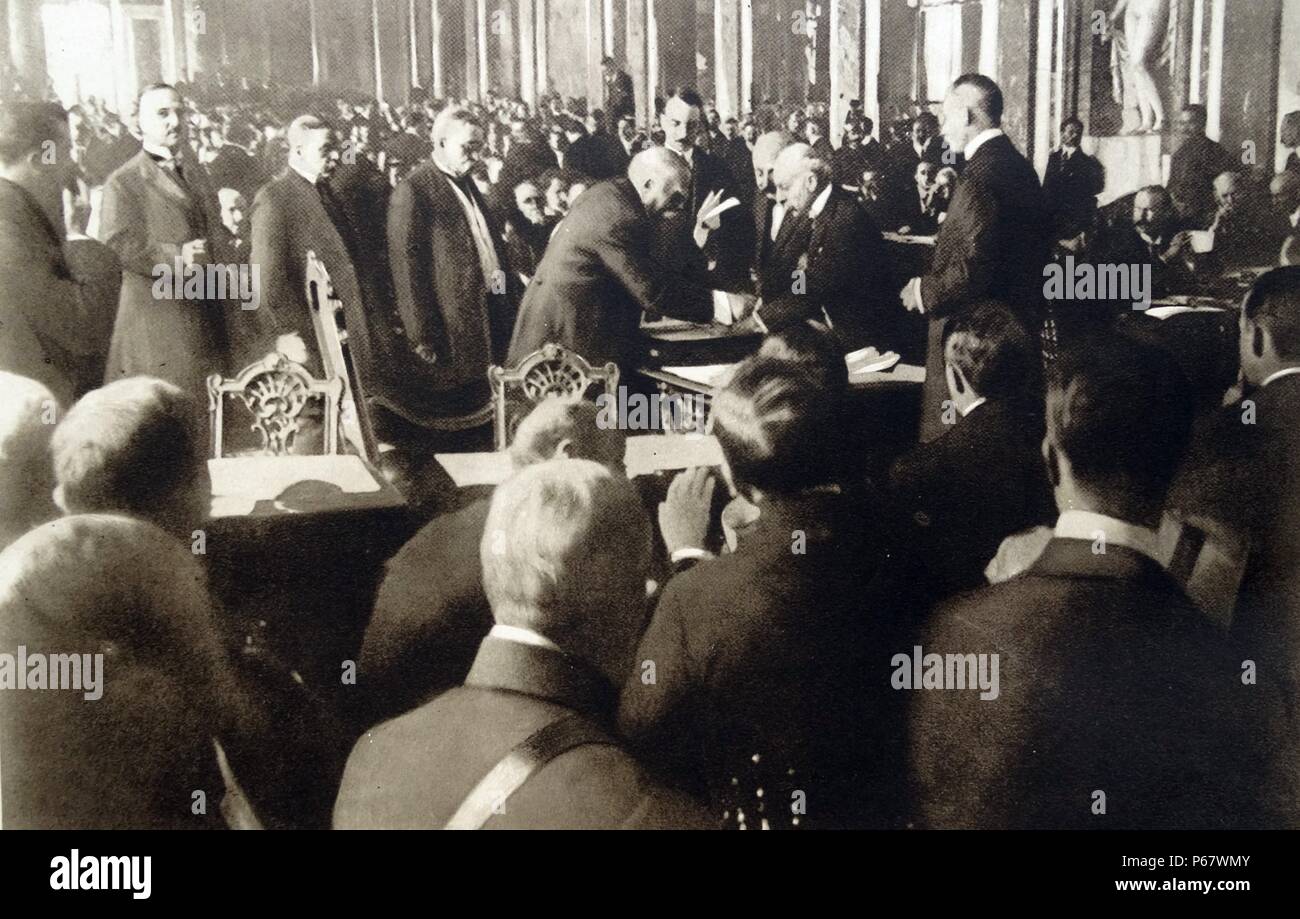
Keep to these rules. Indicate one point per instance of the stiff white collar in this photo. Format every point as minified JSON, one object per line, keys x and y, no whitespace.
{"x":161,"y":152}
{"x":312,"y":179}
{"x":980,"y":140}
{"x":974,"y":405}
{"x":1093,"y":527}
{"x":523,"y":636}
{"x":1284,"y":372}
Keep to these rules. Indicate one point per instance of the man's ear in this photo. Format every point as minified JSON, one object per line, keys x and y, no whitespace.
{"x":563,"y":450}
{"x":959,"y":379}
{"x":59,"y":501}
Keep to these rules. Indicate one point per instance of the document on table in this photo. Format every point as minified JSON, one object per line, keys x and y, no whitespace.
{"x":643,"y":455}
{"x":710,"y":375}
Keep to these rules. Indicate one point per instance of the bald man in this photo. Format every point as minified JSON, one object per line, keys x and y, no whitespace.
{"x":993,"y":243}
{"x":598,"y":276}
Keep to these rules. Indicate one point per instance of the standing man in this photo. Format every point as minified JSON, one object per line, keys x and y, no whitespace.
{"x":619,"y":97}
{"x":455,"y":293}
{"x":1196,"y":162}
{"x":294,"y":214}
{"x":156,"y":211}
{"x":782,"y":237}
{"x":728,"y":254}
{"x":1072,"y":183}
{"x":993,"y":243}
{"x":45,"y":328}
{"x":599,"y":275}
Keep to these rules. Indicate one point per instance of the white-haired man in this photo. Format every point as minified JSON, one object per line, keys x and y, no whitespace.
{"x":455,"y":293}
{"x":565,"y":554}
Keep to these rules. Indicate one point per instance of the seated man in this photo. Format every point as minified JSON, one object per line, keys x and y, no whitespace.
{"x":1155,"y":238}
{"x":125,"y":601}
{"x":565,"y":554}
{"x":961,"y":494}
{"x":1112,"y":703}
{"x":750,"y":685}
{"x":27,"y":412}
{"x":431,"y":612}
{"x":131,"y":448}
{"x":1245,"y":234}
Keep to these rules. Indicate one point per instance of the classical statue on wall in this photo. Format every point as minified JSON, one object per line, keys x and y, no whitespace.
{"x":1137,"y":52}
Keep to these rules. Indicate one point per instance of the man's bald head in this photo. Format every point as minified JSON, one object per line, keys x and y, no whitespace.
{"x":661,"y":179}
{"x":1227,"y":190}
{"x":567,"y":426}
{"x":765,"y":152}
{"x":974,"y":104}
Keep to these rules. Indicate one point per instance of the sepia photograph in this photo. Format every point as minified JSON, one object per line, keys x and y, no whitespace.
{"x":876,"y":415}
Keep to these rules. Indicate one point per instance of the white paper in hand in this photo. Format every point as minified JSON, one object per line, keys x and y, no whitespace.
{"x":721,"y":209}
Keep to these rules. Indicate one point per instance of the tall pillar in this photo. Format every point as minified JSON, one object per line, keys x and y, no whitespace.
{"x":871,"y":22}
{"x":846,"y":61}
{"x":435,"y":48}
{"x":527,"y":52}
{"x":472,"y":50}
{"x":595,"y":46}
{"x":637,"y":58}
{"x":726,"y":56}
{"x":27,"y":43}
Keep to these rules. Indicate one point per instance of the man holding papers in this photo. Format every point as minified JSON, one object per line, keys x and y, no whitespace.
{"x":599,"y":276}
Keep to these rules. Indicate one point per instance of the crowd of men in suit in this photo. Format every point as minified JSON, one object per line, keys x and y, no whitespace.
{"x":1108,"y":520}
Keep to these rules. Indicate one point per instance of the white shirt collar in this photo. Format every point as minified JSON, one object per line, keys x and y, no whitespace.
{"x":974,"y":405}
{"x":1284,"y":372}
{"x":523,"y":636}
{"x":310,"y":179}
{"x":1295,"y":218}
{"x":819,"y":205}
{"x":980,"y":140}
{"x":161,"y":153}
{"x":1091,"y":526}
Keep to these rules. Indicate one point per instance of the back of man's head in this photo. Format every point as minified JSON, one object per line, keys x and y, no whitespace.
{"x":565,"y":553}
{"x":28,"y":411}
{"x":564,"y":426}
{"x":29,"y":127}
{"x":777,"y":428}
{"x":1120,"y":414}
{"x":132,"y":447}
{"x":994,"y":353}
{"x":1270,"y":327}
{"x":982,"y":96}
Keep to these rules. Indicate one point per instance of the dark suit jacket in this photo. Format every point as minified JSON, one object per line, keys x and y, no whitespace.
{"x":1070,"y":188}
{"x":289,"y":219}
{"x":445,"y":302}
{"x":766,"y":651}
{"x":430,"y":615}
{"x":776,"y":259}
{"x":729,"y":246}
{"x":598,"y":277}
{"x":619,"y":96}
{"x":147,"y":216}
{"x":963,"y":493}
{"x":846,"y":273}
{"x":1109,"y":680}
{"x":1192,"y":171}
{"x":1123,"y":246}
{"x":413,"y":772}
{"x":1244,"y":475}
{"x":992,"y":245}
{"x":46,"y":322}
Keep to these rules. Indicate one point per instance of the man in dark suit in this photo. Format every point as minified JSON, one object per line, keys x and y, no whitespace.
{"x":431,"y":613}
{"x":993,"y":243}
{"x":1105,"y":699}
{"x":599,"y":276}
{"x":156,"y":213}
{"x":619,"y":97}
{"x":1243,"y":476}
{"x":1155,"y":237}
{"x":45,"y":316}
{"x":728,"y":250}
{"x":983,"y":480}
{"x":565,"y":554}
{"x":753,"y":684}
{"x":293,"y":214}
{"x":596,"y":154}
{"x":1072,"y":183}
{"x":780,"y":236}
{"x":454,"y":288}
{"x":842,"y":276}
{"x":1195,"y":162}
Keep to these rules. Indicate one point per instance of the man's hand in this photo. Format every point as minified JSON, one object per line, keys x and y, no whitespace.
{"x":426,"y":354}
{"x":911,"y":298}
{"x":684,"y":512}
{"x":293,"y":347}
{"x":194,"y":252}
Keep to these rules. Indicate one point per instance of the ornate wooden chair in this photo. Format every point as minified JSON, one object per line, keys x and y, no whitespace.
{"x":274,"y":391}
{"x":552,"y":370}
